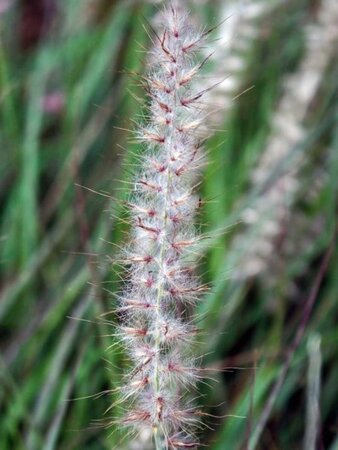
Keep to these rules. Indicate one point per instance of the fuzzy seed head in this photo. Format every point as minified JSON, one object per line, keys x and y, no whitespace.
{"x":161,"y":287}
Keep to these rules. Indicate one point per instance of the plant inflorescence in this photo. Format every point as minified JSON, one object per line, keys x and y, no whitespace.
{"x":161,"y":288}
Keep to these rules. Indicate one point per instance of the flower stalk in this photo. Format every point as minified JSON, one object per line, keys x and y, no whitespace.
{"x":161,"y":287}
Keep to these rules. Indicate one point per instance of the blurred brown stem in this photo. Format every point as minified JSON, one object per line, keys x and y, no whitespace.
{"x":308,"y":307}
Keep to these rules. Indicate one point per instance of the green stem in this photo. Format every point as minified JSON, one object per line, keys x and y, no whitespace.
{"x":157,"y":435}
{"x":157,"y":440}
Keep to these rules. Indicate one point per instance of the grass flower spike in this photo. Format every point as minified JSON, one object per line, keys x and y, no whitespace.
{"x":161,"y":285}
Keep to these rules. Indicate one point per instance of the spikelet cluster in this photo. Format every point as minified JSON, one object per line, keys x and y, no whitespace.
{"x":161,"y":286}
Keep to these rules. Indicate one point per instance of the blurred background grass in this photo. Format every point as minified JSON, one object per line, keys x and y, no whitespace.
{"x":67,"y":97}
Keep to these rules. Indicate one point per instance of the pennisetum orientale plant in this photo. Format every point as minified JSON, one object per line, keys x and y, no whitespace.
{"x":156,"y":327}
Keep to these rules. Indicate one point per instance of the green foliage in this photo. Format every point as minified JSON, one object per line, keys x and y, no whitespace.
{"x":58,"y":238}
